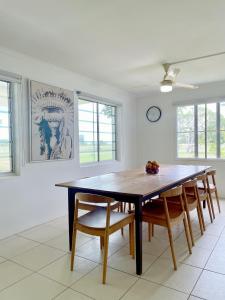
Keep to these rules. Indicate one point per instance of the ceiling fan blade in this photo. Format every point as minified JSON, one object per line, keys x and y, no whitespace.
{"x":170,"y":72}
{"x":185,"y":85}
{"x":173,"y":72}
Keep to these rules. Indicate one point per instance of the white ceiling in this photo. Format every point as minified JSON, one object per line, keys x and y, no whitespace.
{"x":121,"y":42}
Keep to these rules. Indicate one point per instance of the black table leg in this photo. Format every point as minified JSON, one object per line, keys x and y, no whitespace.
{"x":138,"y":228}
{"x":71,"y":206}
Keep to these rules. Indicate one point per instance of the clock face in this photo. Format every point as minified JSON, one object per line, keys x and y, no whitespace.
{"x":153,"y":114}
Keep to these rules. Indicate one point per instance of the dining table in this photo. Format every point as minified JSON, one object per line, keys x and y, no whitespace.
{"x":132,"y":186}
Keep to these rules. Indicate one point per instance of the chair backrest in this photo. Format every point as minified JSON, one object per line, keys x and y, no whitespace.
{"x":190,"y":183}
{"x":190,"y":187}
{"x":177,"y":191}
{"x":211,"y":174}
{"x":203,"y":179}
{"x":91,"y":198}
{"x":176,"y":195}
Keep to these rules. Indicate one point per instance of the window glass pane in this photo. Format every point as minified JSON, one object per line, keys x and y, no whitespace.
{"x":87,"y":137}
{"x":211,"y":144}
{"x":4,"y":119}
{"x":111,"y":146}
{"x":222,"y":144}
{"x":211,"y":130}
{"x":106,"y":114}
{"x":185,"y":145}
{"x":5,"y":164}
{"x":4,"y":134}
{"x":185,"y":118}
{"x":87,"y":116}
{"x":107,"y":155}
{"x":106,"y":132}
{"x":106,"y":137}
{"x":88,"y":157}
{"x":88,"y":131}
{"x":222,"y":115}
{"x":86,"y":106}
{"x":201,"y":144}
{"x":87,"y":126}
{"x":96,"y":121}
{"x":201,"y":117}
{"x":4,"y":96}
{"x":5,"y":150}
{"x":105,"y":128}
{"x":88,"y":146}
{"x":211,"y":116}
{"x":107,"y":150}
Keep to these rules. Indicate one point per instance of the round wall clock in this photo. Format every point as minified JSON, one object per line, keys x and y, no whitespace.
{"x":153,"y":114}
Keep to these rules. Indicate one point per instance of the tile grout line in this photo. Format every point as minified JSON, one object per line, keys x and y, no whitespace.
{"x":68,"y":288}
{"x":30,"y":228}
{"x":196,"y":297}
{"x":5,"y":288}
{"x":165,"y":286}
{"x":98,"y":264}
{"x":139,"y":277}
{"x":124,"y":294}
{"x":181,"y":263}
{"x":207,"y":261}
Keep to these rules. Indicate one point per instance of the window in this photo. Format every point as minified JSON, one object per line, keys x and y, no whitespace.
{"x":97,"y":131}
{"x":6,"y":148}
{"x":201,"y":130}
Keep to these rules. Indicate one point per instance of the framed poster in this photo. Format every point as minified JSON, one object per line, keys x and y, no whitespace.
{"x":52,"y":122}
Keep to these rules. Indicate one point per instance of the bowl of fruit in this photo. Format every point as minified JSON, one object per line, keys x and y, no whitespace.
{"x":152,"y":167}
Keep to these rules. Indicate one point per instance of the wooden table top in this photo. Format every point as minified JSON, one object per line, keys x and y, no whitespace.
{"x":137,"y":182}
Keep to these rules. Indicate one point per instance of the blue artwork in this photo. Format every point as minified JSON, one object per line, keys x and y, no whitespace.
{"x":52,"y":120}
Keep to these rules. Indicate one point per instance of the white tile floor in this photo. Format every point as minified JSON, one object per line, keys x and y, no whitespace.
{"x":35,"y":265}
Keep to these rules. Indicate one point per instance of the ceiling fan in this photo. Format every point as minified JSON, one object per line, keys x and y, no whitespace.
{"x":169,"y":79}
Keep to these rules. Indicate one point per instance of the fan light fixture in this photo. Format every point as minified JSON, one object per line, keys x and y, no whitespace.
{"x":166,"y":86}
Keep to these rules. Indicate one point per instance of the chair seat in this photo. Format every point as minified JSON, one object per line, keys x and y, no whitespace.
{"x":97,"y":218}
{"x":211,"y":186}
{"x":156,"y":210}
{"x":202,"y":194}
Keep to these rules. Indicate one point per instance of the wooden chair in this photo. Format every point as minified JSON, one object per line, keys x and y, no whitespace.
{"x":203,"y":194}
{"x":211,"y":188}
{"x":164,"y":213}
{"x":92,"y":206}
{"x":191,"y":202}
{"x":100,"y":222}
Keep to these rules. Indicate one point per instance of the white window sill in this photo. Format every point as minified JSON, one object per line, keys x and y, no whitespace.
{"x":8,"y":175}
{"x":100,"y":163}
{"x":201,"y":159}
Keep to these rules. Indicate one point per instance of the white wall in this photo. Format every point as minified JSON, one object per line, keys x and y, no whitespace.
{"x":32,"y":198}
{"x":157,"y":141}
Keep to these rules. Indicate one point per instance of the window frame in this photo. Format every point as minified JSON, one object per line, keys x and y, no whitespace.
{"x":14,"y":82}
{"x":217,"y":129}
{"x":98,"y":100}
